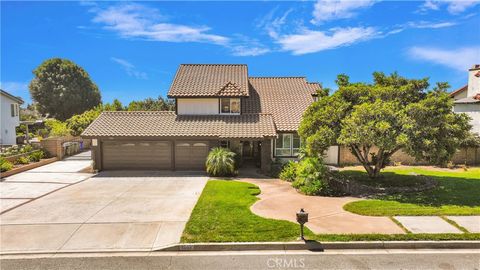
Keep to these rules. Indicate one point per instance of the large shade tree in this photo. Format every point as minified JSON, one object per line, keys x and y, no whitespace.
{"x":376,"y":120}
{"x":62,"y":89}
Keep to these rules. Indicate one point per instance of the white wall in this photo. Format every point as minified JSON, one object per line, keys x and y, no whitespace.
{"x":197,"y":106}
{"x":473,"y":82}
{"x":472,"y":110}
{"x":331,"y":156}
{"x":460,"y":95}
{"x":8,"y":123}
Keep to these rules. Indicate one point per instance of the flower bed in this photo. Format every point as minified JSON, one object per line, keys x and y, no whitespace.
{"x":25,"y":167}
{"x":21,"y":162}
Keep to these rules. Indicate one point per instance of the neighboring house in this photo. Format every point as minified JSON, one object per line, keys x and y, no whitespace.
{"x":467,"y":98}
{"x":10,"y":119}
{"x":215,"y":105}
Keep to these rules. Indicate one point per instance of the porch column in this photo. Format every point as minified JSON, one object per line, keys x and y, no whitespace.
{"x":266,"y":156}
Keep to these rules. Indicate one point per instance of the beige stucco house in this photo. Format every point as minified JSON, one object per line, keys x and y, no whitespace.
{"x":216,"y":105}
{"x":467,"y":98}
{"x":10,"y":117}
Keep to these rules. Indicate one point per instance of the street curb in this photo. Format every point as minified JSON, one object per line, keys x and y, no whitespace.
{"x":319,"y":246}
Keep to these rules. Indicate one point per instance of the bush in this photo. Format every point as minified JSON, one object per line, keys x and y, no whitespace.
{"x":78,"y":123}
{"x":22,"y":160}
{"x":27,"y":148}
{"x":5,"y":165}
{"x":57,"y":128}
{"x":36,"y":156}
{"x":221,"y":162}
{"x":311,"y":177}
{"x":289,"y":171}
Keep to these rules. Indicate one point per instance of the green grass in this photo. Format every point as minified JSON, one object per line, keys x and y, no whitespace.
{"x":223,"y":214}
{"x":458,"y":193}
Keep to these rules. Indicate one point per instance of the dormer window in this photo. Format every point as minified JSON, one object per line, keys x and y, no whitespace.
{"x":230,"y":106}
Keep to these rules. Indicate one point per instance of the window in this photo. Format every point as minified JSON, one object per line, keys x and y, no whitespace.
{"x":230,"y":106}
{"x":14,"y":109}
{"x":287,"y":145}
{"x":225,"y":144}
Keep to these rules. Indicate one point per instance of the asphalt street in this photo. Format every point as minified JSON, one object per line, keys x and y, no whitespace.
{"x":337,"y":259}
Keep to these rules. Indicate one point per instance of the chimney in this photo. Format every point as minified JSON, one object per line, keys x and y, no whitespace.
{"x":473,"y":81}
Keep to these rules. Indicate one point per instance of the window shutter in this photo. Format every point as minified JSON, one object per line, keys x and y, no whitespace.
{"x":12,"y":109}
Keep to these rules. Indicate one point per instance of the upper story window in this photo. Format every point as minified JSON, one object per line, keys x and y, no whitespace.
{"x":230,"y":106}
{"x":14,"y":109}
{"x":287,"y":145}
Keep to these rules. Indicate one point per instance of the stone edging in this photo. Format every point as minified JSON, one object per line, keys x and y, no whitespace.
{"x":353,"y":187}
{"x":29,"y":166}
{"x":313,"y":245}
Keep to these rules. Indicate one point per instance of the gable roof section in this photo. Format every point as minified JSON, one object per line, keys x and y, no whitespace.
{"x":17,"y":99}
{"x":168,"y":124}
{"x":209,"y":80}
{"x":314,"y":88}
{"x":286,"y":98}
{"x":459,"y":90}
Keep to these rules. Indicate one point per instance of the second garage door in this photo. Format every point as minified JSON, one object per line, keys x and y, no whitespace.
{"x":190,"y":155}
{"x":154,"y":155}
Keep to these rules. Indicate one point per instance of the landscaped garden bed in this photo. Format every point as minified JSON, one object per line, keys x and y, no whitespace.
{"x":20,"y":159}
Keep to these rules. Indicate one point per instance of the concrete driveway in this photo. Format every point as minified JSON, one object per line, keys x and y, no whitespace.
{"x":30,"y":185}
{"x":110,"y":211}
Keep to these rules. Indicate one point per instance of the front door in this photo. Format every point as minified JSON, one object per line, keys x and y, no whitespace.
{"x":247,"y":150}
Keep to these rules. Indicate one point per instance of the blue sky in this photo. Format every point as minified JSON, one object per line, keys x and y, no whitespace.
{"x":132,"y":49}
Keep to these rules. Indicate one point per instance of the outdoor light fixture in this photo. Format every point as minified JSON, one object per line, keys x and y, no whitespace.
{"x":302,"y":218}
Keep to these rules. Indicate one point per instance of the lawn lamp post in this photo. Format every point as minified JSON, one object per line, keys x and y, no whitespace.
{"x":302,"y":218}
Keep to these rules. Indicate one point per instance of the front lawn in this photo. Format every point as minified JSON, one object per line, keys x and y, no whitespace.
{"x":458,"y":193}
{"x":222,"y":214}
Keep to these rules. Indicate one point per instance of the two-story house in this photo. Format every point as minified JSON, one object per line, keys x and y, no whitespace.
{"x":216,"y":105}
{"x":467,"y":98}
{"x":10,"y":117}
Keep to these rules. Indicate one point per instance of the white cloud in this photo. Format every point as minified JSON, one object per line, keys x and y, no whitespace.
{"x":453,"y":6}
{"x":14,"y":88}
{"x":421,"y":25}
{"x":17,"y":89}
{"x":325,"y":10}
{"x":129,"y":68}
{"x":456,"y":7}
{"x":138,"y":21}
{"x":245,"y":50}
{"x":310,"y":41}
{"x":460,"y":59}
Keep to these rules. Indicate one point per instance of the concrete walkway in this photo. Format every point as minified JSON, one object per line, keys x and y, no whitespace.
{"x":279,"y":200}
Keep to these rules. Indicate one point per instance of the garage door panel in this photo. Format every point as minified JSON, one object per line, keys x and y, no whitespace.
{"x":191,"y":155}
{"x":137,"y":155}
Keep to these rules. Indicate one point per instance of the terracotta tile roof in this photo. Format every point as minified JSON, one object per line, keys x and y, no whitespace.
{"x":167,"y":124}
{"x":314,"y":87}
{"x":205,"y":80}
{"x":459,"y":90}
{"x":286,"y":98}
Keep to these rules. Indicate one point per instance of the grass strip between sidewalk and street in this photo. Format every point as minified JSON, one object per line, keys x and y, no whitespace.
{"x":222,"y":214}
